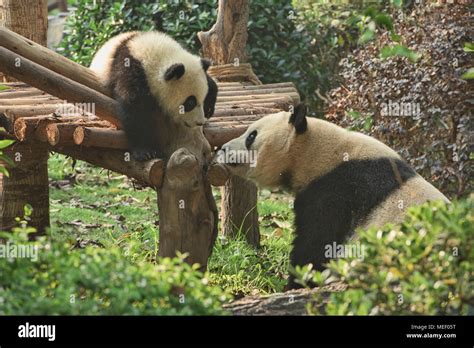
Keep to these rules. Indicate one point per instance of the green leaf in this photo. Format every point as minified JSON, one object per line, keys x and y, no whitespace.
{"x":4,"y":171}
{"x":397,"y":3}
{"x":368,"y":123}
{"x":6,"y":159}
{"x":4,"y":88}
{"x":395,"y":37}
{"x":384,"y":20}
{"x":468,"y":47}
{"x":370,"y":12}
{"x":367,"y":36}
{"x":468,"y":75}
{"x":354,"y":114}
{"x":401,"y":51}
{"x":6,"y":143}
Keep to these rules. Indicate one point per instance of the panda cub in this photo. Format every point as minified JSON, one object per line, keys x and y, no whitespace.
{"x":342,"y":180}
{"x":159,"y":87}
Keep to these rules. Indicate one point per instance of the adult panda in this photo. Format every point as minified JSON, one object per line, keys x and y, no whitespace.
{"x":342,"y":180}
{"x":159,"y":87}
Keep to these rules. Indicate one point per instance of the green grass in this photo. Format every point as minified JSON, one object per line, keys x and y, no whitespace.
{"x":92,"y":205}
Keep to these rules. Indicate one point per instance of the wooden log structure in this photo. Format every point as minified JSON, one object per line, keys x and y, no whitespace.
{"x":57,"y":85}
{"x":32,"y":116}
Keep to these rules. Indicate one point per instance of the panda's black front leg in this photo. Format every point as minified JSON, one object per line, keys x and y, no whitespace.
{"x":140,"y":131}
{"x":323,"y":219}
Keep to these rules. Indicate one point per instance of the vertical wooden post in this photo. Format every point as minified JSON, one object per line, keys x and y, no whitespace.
{"x":28,"y":180}
{"x":28,"y":18}
{"x":225,"y":43}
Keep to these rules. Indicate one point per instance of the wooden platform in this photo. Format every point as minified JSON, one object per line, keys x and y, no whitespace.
{"x":31,"y":116}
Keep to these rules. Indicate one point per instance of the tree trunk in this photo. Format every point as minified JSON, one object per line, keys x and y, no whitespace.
{"x":27,"y":184}
{"x":28,"y":181}
{"x":225,"y":44}
{"x":28,"y":18}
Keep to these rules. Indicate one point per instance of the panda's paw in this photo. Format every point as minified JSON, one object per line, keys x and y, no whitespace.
{"x":142,"y":155}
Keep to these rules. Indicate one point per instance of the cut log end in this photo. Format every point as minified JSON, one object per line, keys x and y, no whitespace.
{"x":52,"y":134}
{"x":20,"y":129}
{"x":218,"y":174}
{"x":155,"y":172}
{"x":79,"y":135}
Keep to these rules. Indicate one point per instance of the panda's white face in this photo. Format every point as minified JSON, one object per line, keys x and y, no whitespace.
{"x":176,"y":77}
{"x":261,"y":153}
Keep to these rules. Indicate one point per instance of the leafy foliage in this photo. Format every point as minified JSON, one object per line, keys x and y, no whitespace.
{"x":434,"y":140}
{"x":425,"y":266}
{"x":4,"y":143}
{"x":300,"y":42}
{"x":99,"y":281}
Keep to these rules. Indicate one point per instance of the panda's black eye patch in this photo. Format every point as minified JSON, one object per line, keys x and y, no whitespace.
{"x":190,"y":103}
{"x":250,"y":139}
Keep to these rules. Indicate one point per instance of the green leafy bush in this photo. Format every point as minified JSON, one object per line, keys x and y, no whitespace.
{"x":99,"y":281}
{"x":425,"y":266}
{"x":430,"y":125}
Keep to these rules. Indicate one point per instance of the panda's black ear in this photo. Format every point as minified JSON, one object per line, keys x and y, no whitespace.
{"x":206,"y":63}
{"x":298,"y":119}
{"x":174,"y":72}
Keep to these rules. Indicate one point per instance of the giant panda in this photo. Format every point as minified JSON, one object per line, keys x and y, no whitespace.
{"x":159,"y":87}
{"x":341,"y":179}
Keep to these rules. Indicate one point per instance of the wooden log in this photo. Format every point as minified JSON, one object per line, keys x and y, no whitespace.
{"x":34,"y":127}
{"x":60,"y":133}
{"x":249,"y":118}
{"x":242,"y":111}
{"x":257,"y":97}
{"x":218,"y":174}
{"x":20,"y":94}
{"x":88,"y":136}
{"x":227,"y":38}
{"x":260,"y":91}
{"x":114,"y":139}
{"x":24,"y":128}
{"x":30,"y":110}
{"x":27,"y":101}
{"x":57,"y":85}
{"x":217,"y":136}
{"x":150,"y":172}
{"x":51,"y":60}
{"x":237,"y":86}
{"x":278,"y":104}
{"x":188,"y":215}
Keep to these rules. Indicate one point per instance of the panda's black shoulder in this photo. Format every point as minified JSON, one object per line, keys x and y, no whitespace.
{"x":128,"y":79}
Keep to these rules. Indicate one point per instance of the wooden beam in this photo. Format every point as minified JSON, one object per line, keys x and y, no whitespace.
{"x":51,"y":60}
{"x":57,"y":85}
{"x":150,"y":172}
